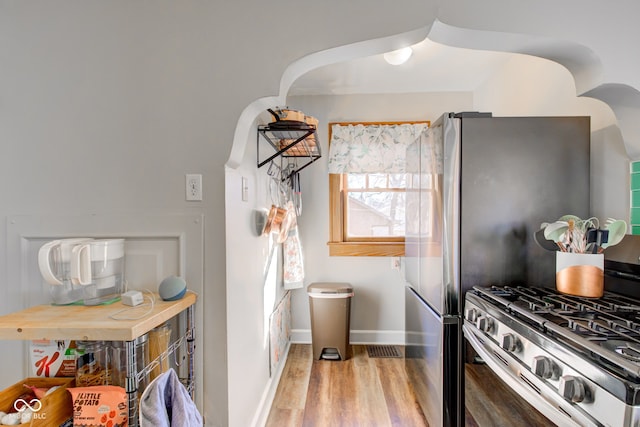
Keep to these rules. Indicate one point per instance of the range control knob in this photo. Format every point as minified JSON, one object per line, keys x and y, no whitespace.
{"x":484,"y":323}
{"x":572,"y":388}
{"x":543,"y":367}
{"x":510,"y":342}
{"x":471,"y":315}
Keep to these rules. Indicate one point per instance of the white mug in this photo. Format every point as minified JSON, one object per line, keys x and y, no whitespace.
{"x":54,"y":260}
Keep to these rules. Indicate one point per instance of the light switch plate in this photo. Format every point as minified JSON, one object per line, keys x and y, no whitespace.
{"x":245,"y":189}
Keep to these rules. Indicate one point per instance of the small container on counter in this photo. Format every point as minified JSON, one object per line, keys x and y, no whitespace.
{"x":93,"y":364}
{"x":159,"y":340}
{"x":119,"y":352}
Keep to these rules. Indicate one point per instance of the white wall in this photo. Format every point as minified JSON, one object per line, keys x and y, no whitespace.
{"x":254,"y":271}
{"x":610,"y":177}
{"x":534,"y":86}
{"x":528,"y":85}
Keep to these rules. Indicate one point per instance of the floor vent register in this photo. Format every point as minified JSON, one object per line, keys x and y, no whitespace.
{"x":383,"y":351}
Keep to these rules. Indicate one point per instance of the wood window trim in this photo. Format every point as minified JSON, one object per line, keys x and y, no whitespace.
{"x":338,"y":245}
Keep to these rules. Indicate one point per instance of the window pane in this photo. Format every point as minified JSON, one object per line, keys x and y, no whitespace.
{"x":397,"y":180}
{"x":356,"y":180}
{"x":372,"y":214}
{"x":426,"y":180}
{"x":378,"y":180}
{"x":413,"y":181}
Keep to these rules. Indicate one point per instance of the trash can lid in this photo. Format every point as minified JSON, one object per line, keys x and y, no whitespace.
{"x":329,"y":288}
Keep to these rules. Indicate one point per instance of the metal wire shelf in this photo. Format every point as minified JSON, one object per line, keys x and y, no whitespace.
{"x":297,"y":141}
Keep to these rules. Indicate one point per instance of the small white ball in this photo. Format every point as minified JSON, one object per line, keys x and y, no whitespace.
{"x":12,"y":419}
{"x":26,"y":416}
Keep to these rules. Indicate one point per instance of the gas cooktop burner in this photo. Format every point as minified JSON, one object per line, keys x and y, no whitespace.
{"x":629,"y":350}
{"x":578,"y":358}
{"x":606,"y":328}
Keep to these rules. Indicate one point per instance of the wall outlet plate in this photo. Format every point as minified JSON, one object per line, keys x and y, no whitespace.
{"x":193,"y":186}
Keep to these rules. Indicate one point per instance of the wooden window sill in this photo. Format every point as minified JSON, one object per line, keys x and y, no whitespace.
{"x":366,"y":249}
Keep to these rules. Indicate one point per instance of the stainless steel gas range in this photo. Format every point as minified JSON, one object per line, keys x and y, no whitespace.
{"x":577,"y":360}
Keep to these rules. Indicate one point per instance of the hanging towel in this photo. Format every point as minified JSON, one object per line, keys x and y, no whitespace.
{"x":166,"y":403}
{"x":293,"y":266}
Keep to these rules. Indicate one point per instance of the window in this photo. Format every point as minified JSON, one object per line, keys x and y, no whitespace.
{"x":375,"y":206}
{"x":365,"y":220}
{"x":367,"y":209}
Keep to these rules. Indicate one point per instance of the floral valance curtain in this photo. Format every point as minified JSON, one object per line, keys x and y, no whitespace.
{"x":424,"y":156}
{"x":372,"y":148}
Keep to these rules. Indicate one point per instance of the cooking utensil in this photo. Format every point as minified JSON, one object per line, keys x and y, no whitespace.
{"x":287,"y":115}
{"x":287,"y":223}
{"x":617,"y":230}
{"x":556,"y":231}
{"x":260,"y":217}
{"x":269,"y":224}
{"x":296,"y":193}
{"x":279,"y":221}
{"x":544,"y":243}
{"x":595,"y":239}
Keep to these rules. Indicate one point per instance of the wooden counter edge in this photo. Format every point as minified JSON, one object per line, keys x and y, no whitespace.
{"x":53,"y":324}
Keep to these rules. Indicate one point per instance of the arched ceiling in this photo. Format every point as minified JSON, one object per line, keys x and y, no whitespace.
{"x":450,"y":59}
{"x":458,"y":59}
{"x":433,"y":67}
{"x":446,"y":58}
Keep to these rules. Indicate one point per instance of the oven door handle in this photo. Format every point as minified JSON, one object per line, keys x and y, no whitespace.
{"x":547,"y":403}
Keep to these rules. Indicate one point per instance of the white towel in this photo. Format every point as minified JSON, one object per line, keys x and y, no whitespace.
{"x":166,"y":403}
{"x":293,"y":274}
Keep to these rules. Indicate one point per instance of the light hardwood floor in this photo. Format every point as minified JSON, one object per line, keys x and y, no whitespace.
{"x":357,"y":392}
{"x":363,"y":391}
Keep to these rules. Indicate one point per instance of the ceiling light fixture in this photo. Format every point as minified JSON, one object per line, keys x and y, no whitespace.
{"x":399,"y":56}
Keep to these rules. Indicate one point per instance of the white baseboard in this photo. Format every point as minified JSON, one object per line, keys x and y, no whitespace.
{"x":303,"y":336}
{"x":262,"y":413}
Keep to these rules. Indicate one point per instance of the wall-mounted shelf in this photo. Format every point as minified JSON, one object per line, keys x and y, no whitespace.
{"x":290,"y":140}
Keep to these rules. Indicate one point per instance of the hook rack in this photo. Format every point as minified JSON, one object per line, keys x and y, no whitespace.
{"x":171,"y":349}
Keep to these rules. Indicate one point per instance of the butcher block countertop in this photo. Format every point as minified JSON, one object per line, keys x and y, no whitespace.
{"x":92,"y":323}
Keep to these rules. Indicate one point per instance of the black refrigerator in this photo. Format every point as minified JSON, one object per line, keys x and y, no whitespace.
{"x":478,"y":188}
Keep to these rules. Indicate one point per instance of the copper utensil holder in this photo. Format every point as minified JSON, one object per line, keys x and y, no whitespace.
{"x":580,"y":274}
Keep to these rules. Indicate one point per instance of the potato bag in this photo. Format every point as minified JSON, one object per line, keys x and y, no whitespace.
{"x":100,"y":406}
